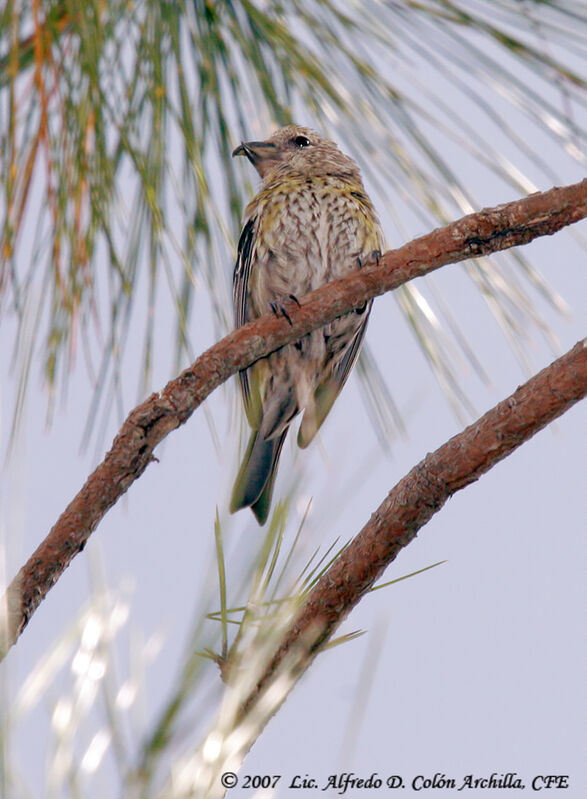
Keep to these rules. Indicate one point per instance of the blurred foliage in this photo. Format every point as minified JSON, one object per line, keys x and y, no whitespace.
{"x":117,"y":120}
{"x":92,"y":688}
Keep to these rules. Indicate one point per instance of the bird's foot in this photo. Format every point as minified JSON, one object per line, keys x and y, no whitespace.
{"x":370,"y":260}
{"x":279,"y":309}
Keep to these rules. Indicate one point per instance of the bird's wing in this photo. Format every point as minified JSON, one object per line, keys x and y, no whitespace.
{"x":240,"y":286}
{"x":327,"y":392}
{"x":344,"y":367}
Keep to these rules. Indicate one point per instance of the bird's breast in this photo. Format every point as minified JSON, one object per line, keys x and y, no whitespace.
{"x":308,"y":233}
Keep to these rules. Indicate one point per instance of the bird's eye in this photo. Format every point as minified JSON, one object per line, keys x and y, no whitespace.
{"x":301,"y":141}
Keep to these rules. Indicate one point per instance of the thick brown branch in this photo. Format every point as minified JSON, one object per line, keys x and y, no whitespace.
{"x":478,"y":234}
{"x":423,"y":492}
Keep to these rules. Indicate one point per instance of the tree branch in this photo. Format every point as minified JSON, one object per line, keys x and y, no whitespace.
{"x":478,"y":234}
{"x":421,"y":494}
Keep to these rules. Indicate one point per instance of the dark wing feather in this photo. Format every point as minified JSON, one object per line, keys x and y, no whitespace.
{"x":327,"y":392}
{"x":240,"y":287}
{"x":344,"y":367}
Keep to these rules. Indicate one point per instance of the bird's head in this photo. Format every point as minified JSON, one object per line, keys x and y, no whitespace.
{"x":299,"y":150}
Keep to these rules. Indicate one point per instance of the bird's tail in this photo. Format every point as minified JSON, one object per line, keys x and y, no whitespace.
{"x":253,"y":486}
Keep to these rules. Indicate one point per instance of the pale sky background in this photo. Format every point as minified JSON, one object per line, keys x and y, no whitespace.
{"x":477,"y":666}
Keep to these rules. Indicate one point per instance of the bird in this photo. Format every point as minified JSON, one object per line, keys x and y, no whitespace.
{"x":310,"y":222}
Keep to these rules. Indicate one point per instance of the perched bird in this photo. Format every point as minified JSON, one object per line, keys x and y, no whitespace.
{"x":311,"y":222}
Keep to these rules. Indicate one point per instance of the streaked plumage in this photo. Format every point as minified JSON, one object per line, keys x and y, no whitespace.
{"x":310,"y":223}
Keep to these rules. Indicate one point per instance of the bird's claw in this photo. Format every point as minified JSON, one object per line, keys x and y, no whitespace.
{"x":279,"y":309}
{"x":371,"y":260}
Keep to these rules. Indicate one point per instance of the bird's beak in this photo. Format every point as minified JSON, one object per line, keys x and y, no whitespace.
{"x":262,"y":154}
